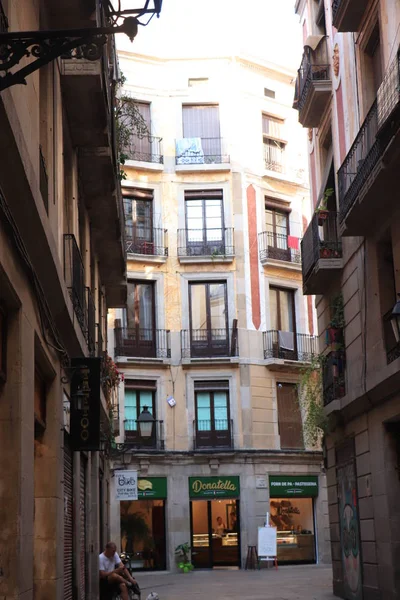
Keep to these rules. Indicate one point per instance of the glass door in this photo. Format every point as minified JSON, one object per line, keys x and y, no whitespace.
{"x":141,"y":320}
{"x":201,"y":528}
{"x":225,"y":533}
{"x":209,"y":319}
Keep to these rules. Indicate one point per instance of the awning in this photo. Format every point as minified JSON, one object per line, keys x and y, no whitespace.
{"x":313,"y":41}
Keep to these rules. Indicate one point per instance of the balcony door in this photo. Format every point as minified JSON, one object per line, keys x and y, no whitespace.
{"x":204,"y":223}
{"x":139,"y":222}
{"x":283,"y":320}
{"x":140,"y":336}
{"x":202,"y":121}
{"x":209,"y":333}
{"x":140,"y":141}
{"x":212,"y":425}
{"x":139,"y":394}
{"x":277,"y":227}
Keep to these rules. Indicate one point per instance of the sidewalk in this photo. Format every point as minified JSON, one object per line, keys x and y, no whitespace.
{"x":307,"y":582}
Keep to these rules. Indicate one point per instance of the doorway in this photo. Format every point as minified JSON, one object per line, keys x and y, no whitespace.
{"x":143,"y":533}
{"x":215,"y":532}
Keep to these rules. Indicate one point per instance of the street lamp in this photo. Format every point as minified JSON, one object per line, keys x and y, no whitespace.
{"x":145,"y":421}
{"x":395,"y":319}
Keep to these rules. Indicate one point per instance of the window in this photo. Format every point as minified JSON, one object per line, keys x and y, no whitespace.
{"x":138,"y":395}
{"x":204,"y":222}
{"x":40,"y":399}
{"x":371,"y":65}
{"x":194,"y":81}
{"x":282,"y":309}
{"x":289,"y":417}
{"x":274,"y":145}
{"x":269,"y":93}
{"x":3,"y":345}
{"x":208,"y":319}
{"x":140,"y":319}
{"x":212,"y":427}
{"x":139,"y":222}
{"x":277,"y":228}
{"x":139,"y":147}
{"x":203,"y":122}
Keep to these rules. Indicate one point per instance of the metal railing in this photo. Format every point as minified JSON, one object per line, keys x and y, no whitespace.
{"x":145,"y":149}
{"x":43,"y":180}
{"x":210,"y":343}
{"x":91,"y":322}
{"x":333,"y":377}
{"x":134,"y":439}
{"x":335,"y":7}
{"x":216,"y":434}
{"x":3,"y":20}
{"x":308,"y":73}
{"x":274,"y":155}
{"x":145,"y":240}
{"x":371,"y":140}
{"x":200,"y":150}
{"x":287,"y":345}
{"x":74,"y":276}
{"x":275,"y":246}
{"x":392,"y":347}
{"x":100,"y":341}
{"x":313,"y":247}
{"x":213,"y":243}
{"x":142,"y":343}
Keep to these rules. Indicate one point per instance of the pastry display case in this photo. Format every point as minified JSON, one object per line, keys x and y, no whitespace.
{"x":230,"y":539}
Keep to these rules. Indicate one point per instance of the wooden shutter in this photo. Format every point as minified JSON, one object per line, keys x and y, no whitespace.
{"x":200,"y":121}
{"x":289,"y":417}
{"x":68,"y":521}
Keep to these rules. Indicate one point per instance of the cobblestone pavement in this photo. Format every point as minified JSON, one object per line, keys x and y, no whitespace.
{"x":308,"y":582}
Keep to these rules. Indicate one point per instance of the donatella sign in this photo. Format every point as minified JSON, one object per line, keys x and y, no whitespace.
{"x":214,"y":487}
{"x":85,"y":404}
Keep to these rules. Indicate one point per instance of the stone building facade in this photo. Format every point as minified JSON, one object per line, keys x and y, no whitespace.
{"x":62,"y":266}
{"x":347,"y":97}
{"x":216,"y":329}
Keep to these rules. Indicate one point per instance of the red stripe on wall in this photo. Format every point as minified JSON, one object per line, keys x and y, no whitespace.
{"x":253,"y":252}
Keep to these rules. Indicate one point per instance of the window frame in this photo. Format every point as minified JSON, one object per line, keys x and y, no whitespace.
{"x":137,"y":243}
{"x":279,"y":314}
{"x":132,"y":436}
{"x":204,"y":246}
{"x":209,"y":346}
{"x":212,"y":438}
{"x":274,"y":232}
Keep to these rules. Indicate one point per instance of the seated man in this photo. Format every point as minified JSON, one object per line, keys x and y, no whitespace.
{"x":114,"y":576}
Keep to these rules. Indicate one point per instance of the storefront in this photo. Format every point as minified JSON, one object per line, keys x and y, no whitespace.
{"x":292,"y":511}
{"x":143,"y":525}
{"x":215,"y":521}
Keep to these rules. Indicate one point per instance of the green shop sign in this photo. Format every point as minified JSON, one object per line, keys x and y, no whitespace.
{"x":214,"y":487}
{"x":153,"y":488}
{"x":281,"y":486}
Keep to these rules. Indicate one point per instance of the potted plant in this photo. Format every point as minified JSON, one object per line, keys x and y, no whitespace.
{"x":183,"y":554}
{"x":334,"y":331}
{"x":322,"y":210}
{"x":325,"y":251}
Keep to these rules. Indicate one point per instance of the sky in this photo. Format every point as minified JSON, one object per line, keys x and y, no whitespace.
{"x":267,"y":29}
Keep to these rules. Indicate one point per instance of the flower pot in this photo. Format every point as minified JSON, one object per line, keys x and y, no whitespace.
{"x":333,"y":335}
{"x":322,"y":216}
{"x":325,"y":253}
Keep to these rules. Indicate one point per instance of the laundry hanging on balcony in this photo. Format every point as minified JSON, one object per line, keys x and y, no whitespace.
{"x":189,"y":151}
{"x":286,"y":340}
{"x":293,"y":242}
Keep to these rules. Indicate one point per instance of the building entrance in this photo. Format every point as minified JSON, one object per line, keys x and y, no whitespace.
{"x":215,"y":527}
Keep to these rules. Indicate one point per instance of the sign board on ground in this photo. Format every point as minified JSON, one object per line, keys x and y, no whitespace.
{"x":266,"y":541}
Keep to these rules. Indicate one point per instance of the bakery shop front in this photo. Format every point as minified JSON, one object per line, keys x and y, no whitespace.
{"x":215,"y":521}
{"x":292,"y":512}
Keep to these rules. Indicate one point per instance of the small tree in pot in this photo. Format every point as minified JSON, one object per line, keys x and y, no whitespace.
{"x":182,"y":553}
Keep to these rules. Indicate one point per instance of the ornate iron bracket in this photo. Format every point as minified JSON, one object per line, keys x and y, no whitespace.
{"x":46,"y":46}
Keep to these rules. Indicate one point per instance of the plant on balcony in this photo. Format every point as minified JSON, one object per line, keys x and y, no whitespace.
{"x":334,"y":331}
{"x":310,"y":395}
{"x":111,"y":377}
{"x":322,"y":210}
{"x":182,"y":553}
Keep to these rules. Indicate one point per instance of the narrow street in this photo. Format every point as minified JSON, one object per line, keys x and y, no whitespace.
{"x":305,"y":582}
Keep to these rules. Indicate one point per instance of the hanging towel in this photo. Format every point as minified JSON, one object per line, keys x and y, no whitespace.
{"x":286,"y":340}
{"x":189,"y":151}
{"x":293,"y":242}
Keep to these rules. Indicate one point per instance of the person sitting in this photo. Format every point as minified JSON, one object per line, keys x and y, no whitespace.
{"x":114,"y":576}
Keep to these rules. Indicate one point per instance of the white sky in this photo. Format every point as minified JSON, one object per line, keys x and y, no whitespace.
{"x":268,"y":29}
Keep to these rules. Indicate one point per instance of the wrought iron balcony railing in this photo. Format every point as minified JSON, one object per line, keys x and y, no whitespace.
{"x":216,"y":434}
{"x":210,"y":343}
{"x":309,"y":73}
{"x":91,"y":323}
{"x":135,"y":440}
{"x":146,"y":149}
{"x":371,"y":140}
{"x":213,"y":243}
{"x":333,"y":377}
{"x":136,"y":342}
{"x":277,"y":246}
{"x":290,"y":346}
{"x":146,"y":241}
{"x":313,"y":247}
{"x":100,"y":341}
{"x":74,"y":276}
{"x":201,"y":151}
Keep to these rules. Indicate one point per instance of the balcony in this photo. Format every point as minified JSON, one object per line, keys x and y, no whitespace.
{"x":277,"y":247}
{"x":210,"y":344}
{"x":216,"y":435}
{"x":147,"y":243}
{"x":283,"y":347}
{"x":142,"y":344}
{"x":314,"y":85}
{"x":333,"y":377}
{"x":134,"y":440}
{"x":100,"y":341}
{"x":368,"y":177}
{"x":347,"y":14}
{"x":206,"y":245}
{"x":321,"y":253}
{"x":201,"y":154}
{"x":145,"y":150}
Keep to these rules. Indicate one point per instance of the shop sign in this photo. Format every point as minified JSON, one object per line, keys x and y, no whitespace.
{"x":85,"y":404}
{"x":214,"y":487}
{"x":281,"y":486}
{"x":126,"y":485}
{"x":152,"y":488}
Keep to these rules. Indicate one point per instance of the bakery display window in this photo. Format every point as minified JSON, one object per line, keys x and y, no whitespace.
{"x":294,"y":520}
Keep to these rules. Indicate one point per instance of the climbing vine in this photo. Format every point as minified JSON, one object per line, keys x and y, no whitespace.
{"x":311,"y":402}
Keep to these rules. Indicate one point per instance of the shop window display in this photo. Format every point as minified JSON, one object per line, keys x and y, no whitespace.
{"x":294,"y":520}
{"x":143,"y":533}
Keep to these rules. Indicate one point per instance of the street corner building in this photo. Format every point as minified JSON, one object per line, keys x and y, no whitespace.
{"x":216,"y":331}
{"x":62,"y":266}
{"x":347,"y":98}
